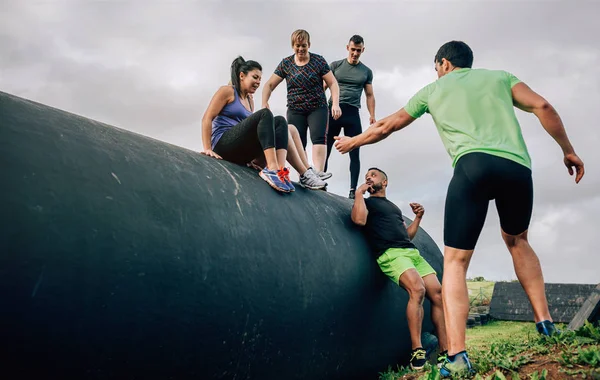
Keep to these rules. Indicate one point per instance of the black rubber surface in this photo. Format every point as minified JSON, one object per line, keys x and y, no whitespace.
{"x":126,"y":257}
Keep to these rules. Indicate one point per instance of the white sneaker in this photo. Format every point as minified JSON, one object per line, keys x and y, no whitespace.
{"x":311,"y":180}
{"x":322,"y":175}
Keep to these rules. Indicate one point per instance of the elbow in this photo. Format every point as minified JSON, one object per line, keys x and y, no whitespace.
{"x":359,"y":221}
{"x":543,"y":106}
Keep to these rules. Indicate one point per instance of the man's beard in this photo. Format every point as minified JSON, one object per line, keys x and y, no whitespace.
{"x":375,"y":188}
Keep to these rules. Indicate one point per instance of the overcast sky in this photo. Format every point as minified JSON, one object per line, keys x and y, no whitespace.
{"x":152,"y":66}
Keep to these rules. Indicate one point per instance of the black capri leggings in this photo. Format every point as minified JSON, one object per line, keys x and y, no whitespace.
{"x":317,"y":120}
{"x":479,"y":178}
{"x":247,"y":140}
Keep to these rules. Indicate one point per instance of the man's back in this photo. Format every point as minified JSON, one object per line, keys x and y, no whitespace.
{"x":473,"y":112}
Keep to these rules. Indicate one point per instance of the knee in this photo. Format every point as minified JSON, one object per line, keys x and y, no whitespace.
{"x":265,"y":113}
{"x":417,"y":292}
{"x":280,"y":122}
{"x":457,"y":257}
{"x":292,"y":129}
{"x":436,"y":296}
{"x":513,"y":241}
{"x":318,"y":139}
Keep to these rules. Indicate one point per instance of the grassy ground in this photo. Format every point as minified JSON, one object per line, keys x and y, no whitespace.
{"x":513,"y":350}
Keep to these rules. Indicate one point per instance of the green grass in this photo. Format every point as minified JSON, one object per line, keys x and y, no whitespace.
{"x":482,"y":337}
{"x":512,"y":350}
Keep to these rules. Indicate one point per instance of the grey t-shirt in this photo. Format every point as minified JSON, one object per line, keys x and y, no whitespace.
{"x":352,"y":80}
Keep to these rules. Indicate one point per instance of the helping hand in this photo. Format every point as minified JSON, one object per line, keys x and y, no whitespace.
{"x":343,"y":144}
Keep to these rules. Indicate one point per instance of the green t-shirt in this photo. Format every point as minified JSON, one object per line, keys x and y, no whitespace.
{"x":473,"y":112}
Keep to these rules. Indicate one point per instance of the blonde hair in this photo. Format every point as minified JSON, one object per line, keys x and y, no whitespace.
{"x":300,"y":35}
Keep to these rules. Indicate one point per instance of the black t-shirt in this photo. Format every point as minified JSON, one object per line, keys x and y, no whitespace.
{"x":385,"y":226}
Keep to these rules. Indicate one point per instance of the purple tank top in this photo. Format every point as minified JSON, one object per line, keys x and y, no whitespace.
{"x":232,"y":114}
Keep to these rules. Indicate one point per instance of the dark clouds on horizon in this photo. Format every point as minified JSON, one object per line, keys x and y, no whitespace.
{"x":152,"y":67}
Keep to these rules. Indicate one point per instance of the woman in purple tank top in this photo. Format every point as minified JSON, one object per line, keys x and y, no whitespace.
{"x":232,"y":131}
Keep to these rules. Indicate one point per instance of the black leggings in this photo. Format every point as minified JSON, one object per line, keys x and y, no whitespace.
{"x":479,"y":178}
{"x":248,"y":139}
{"x":350,"y":122}
{"x":316,"y":120}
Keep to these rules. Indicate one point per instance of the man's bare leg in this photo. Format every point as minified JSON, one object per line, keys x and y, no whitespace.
{"x":529,"y":272}
{"x":413,"y":283}
{"x":433,"y":290}
{"x":455,"y":297}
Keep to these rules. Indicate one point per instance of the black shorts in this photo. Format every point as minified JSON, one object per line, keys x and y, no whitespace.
{"x":316,"y":121}
{"x":479,"y":178}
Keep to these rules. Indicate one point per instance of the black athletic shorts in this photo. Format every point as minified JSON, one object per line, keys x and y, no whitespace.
{"x":479,"y":178}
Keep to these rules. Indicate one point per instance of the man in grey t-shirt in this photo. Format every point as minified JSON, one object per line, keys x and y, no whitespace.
{"x":353,"y":77}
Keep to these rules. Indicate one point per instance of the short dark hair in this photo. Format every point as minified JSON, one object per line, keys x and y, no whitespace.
{"x":240,"y":65}
{"x":380,"y":171}
{"x":357,"y":39}
{"x":458,"y":53}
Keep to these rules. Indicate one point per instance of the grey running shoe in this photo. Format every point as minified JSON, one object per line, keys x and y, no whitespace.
{"x":324,"y":175}
{"x":311,"y":180}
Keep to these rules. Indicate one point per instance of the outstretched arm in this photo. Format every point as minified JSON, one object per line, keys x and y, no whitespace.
{"x":528,"y":100}
{"x":376,"y":132}
{"x":359,"y":209}
{"x":414,"y":226}
{"x":271,"y":84}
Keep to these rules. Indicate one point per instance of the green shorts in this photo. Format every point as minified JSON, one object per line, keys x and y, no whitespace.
{"x":395,"y":261}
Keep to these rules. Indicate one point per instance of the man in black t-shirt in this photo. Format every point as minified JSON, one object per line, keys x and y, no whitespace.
{"x":390,"y":241}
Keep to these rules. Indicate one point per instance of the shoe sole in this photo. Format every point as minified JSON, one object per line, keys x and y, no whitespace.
{"x":313,"y":187}
{"x":415,"y":368}
{"x":272,"y":184}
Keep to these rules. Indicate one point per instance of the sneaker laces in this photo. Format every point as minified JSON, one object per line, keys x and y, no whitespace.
{"x":419,"y":353}
{"x":284,"y":175}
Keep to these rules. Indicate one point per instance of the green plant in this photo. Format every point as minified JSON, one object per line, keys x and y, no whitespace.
{"x":588,"y":330}
{"x":536,"y":376}
{"x":589,"y":355}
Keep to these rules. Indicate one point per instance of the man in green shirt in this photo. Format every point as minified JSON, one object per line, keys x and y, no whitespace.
{"x":473,"y":112}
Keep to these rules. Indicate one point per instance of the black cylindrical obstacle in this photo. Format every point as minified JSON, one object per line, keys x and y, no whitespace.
{"x":123,"y":257}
